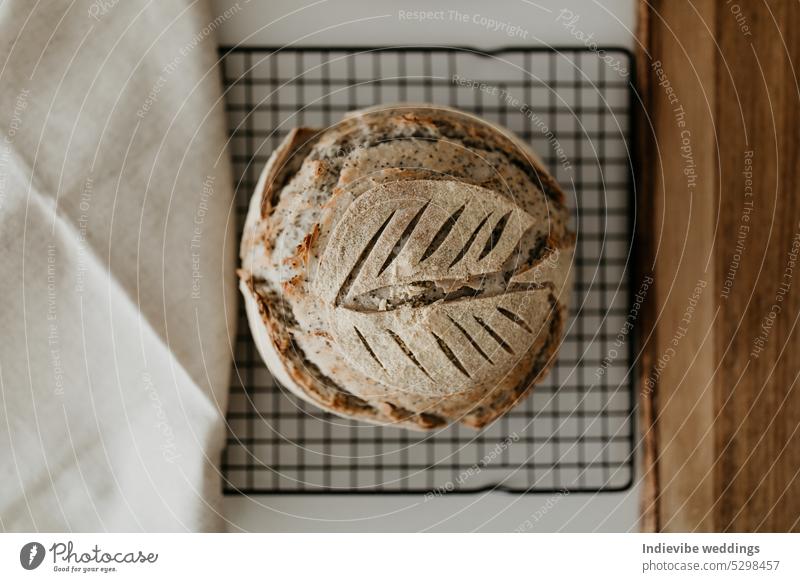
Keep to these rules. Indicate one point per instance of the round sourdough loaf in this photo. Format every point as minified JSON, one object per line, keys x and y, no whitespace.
{"x":408,"y":265}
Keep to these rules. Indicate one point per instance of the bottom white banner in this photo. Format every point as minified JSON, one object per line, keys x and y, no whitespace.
{"x":389,"y":557}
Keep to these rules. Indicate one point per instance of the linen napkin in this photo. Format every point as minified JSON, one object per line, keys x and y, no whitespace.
{"x":116,"y":266}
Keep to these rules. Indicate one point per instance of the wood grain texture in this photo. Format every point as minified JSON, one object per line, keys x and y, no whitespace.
{"x":720,"y":212}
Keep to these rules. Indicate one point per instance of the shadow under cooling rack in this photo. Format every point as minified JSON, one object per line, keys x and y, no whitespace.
{"x":576,"y":431}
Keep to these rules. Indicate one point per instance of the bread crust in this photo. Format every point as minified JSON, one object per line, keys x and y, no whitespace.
{"x":409,"y":266}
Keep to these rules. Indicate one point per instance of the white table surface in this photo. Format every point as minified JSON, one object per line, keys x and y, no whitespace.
{"x":378,"y":22}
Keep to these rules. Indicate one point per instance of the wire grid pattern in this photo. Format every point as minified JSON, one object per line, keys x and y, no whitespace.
{"x":575,"y":432}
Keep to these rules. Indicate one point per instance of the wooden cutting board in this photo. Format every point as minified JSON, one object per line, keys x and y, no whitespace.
{"x":718,"y":230}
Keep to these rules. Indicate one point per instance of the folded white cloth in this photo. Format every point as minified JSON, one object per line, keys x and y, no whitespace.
{"x":117,"y":293}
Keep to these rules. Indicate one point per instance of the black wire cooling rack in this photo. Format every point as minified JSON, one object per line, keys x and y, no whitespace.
{"x":576,"y":431}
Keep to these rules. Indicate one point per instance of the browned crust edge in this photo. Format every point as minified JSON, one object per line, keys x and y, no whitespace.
{"x":288,"y":158}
